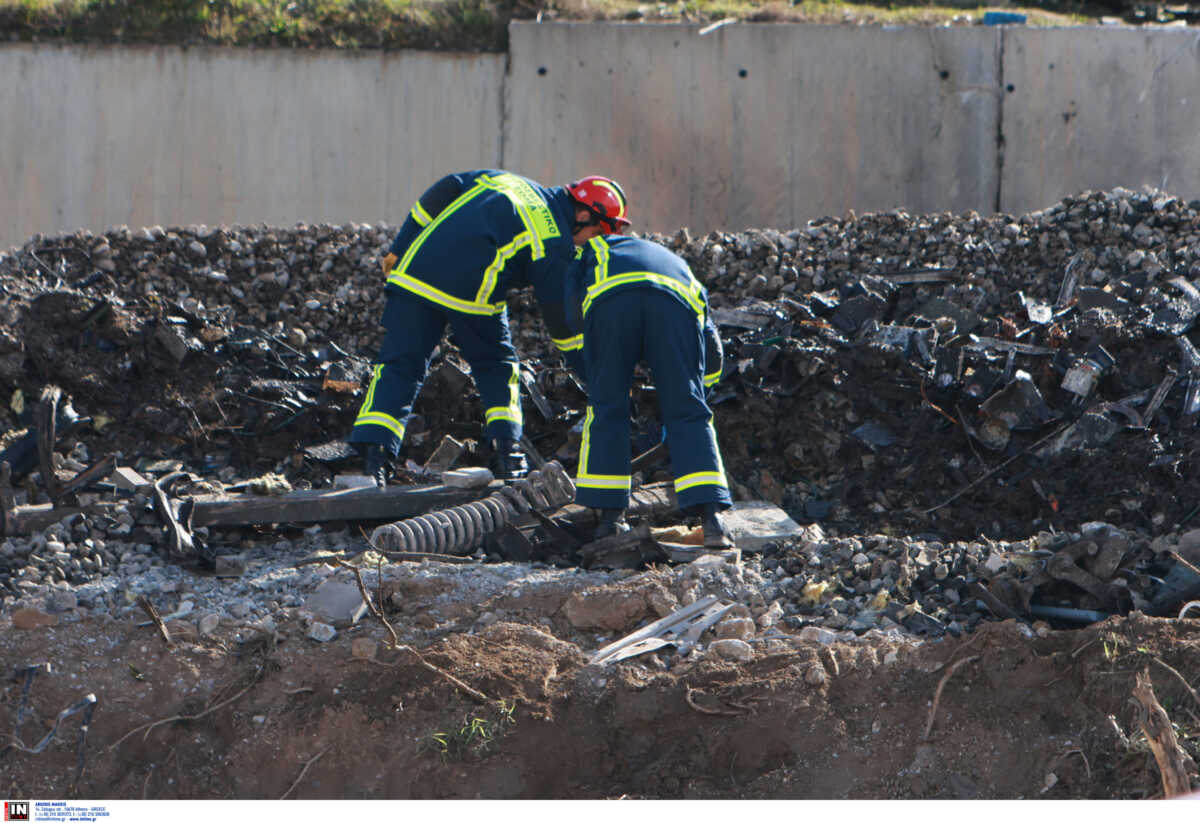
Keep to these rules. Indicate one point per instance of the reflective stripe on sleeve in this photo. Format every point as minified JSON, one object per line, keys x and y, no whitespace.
{"x":569,"y":343}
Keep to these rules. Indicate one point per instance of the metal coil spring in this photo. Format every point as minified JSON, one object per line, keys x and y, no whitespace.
{"x":460,"y":529}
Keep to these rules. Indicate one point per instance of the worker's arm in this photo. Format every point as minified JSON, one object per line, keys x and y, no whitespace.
{"x":714,"y":354}
{"x":428,"y":206}
{"x":559,"y":296}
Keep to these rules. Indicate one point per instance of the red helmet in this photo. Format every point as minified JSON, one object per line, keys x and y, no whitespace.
{"x":603,"y":198}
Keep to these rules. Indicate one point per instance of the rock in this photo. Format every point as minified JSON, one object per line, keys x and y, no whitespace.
{"x":61,"y":600}
{"x":230,"y":565}
{"x":739,"y":628}
{"x":732,"y":649}
{"x":606,"y":609}
{"x":754,"y":524}
{"x":321,"y":632}
{"x":336,"y":602}
{"x":32,"y":619}
{"x":208,"y":624}
{"x":814,"y":634}
{"x":364,"y":648}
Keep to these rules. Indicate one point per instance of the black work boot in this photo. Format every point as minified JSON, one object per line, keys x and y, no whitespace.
{"x":510,"y":460}
{"x":612,"y":521}
{"x":376,"y":465}
{"x":715,"y":536}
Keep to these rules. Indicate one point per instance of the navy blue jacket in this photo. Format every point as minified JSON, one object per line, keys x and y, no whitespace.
{"x":613,"y":263}
{"x":474,"y":235}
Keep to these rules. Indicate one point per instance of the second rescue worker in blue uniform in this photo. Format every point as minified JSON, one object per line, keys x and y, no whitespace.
{"x":636,"y":300}
{"x":470,"y":238}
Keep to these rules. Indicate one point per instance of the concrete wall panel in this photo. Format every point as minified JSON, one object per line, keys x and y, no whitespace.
{"x":758,"y":126}
{"x":1098,"y":107}
{"x":95,"y":137}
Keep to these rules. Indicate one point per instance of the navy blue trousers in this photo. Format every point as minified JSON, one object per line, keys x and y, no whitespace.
{"x":414,"y":326}
{"x":624,"y":328}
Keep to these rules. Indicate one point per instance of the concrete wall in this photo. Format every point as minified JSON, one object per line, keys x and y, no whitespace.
{"x":760,"y":125}
{"x":95,"y":137}
{"x":1099,"y":107}
{"x":744,"y":126}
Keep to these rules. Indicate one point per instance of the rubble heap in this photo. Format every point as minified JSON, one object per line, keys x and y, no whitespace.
{"x":956,"y":388}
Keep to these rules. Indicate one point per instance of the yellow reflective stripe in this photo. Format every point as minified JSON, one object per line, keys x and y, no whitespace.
{"x":600,"y":248}
{"x":412,"y":284}
{"x":419,"y":214}
{"x":534,"y":211}
{"x":569,"y":343}
{"x":367,"y":416}
{"x":620,"y":482}
{"x":694,"y":479}
{"x":457,"y":204}
{"x":511,"y":412}
{"x":712,"y":379}
{"x":690,"y":292}
{"x":380,"y":419}
{"x":585,"y":442}
{"x":492,"y":273}
{"x":502,"y":413}
{"x":369,"y":399}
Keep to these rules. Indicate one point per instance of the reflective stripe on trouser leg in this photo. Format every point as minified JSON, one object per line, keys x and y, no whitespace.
{"x":612,"y":346}
{"x":414,"y":327}
{"x":675,"y":351}
{"x":370,"y":416}
{"x":486,"y":344}
{"x":603,"y":479}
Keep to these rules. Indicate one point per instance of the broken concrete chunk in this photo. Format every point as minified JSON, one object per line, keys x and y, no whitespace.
{"x":731,"y":649}
{"x":444,"y":455}
{"x":321,"y":632}
{"x":128,"y":479}
{"x":338,"y":603}
{"x":354,"y":481}
{"x":753,"y":524}
{"x":469,"y":478}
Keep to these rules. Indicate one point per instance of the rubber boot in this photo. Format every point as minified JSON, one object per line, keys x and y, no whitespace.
{"x":510,"y":460}
{"x":376,"y":465}
{"x":611,"y":521}
{"x":715,"y":536}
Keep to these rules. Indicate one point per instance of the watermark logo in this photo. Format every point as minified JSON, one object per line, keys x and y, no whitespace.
{"x":16,"y":809}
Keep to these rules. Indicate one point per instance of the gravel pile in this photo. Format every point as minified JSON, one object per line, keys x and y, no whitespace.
{"x":858,"y":395}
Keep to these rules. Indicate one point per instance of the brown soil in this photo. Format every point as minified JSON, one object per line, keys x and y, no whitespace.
{"x":997,"y":714}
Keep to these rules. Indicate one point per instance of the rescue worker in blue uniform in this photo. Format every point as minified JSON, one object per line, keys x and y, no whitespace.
{"x":636,"y":300}
{"x":468,"y":240}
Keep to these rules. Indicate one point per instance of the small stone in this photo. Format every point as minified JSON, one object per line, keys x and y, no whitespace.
{"x":208,"y":624}
{"x":364,"y":648}
{"x":738,"y":628}
{"x":815,"y":675}
{"x":731,"y":649}
{"x":32,"y":619}
{"x":321,"y":632}
{"x":816,"y":634}
{"x":230,"y":565}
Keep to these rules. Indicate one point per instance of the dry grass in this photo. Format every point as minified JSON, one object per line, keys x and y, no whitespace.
{"x":441,"y":24}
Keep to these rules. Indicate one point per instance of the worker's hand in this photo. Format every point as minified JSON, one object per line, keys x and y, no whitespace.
{"x":389,"y":263}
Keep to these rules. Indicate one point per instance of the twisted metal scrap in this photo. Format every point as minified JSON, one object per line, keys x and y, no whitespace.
{"x":460,"y":529}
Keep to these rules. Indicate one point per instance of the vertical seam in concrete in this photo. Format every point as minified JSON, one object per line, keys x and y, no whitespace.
{"x":505,"y":103}
{"x":1000,"y":123}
